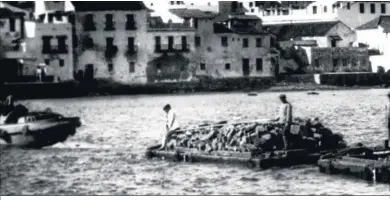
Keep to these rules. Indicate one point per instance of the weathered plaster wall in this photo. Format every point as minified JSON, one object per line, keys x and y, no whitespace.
{"x":121,"y":60}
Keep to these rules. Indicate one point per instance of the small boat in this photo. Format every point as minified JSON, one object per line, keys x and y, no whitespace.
{"x":252,"y":94}
{"x":312,"y":93}
{"x":39,"y":129}
{"x":366,"y":163}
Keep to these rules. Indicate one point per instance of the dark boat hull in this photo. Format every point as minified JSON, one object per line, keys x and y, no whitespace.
{"x":39,"y":134}
{"x":262,"y":161}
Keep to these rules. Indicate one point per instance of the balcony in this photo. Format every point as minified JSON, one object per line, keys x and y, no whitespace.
{"x":165,"y":48}
{"x":131,"y":50}
{"x":55,"y":50}
{"x":89,"y":26}
{"x":110,"y":51}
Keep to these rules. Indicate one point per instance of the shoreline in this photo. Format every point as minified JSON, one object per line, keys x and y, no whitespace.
{"x":75,"y":89}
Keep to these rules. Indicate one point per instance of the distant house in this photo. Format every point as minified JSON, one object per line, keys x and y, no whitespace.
{"x":376,"y":35}
{"x":328,"y":46}
{"x":112,"y":40}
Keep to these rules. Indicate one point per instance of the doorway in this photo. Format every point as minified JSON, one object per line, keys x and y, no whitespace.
{"x":89,"y":72}
{"x":245,"y":66}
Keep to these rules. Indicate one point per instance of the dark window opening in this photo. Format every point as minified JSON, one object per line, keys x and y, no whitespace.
{"x":325,"y":9}
{"x":383,"y":8}
{"x":202,"y":66}
{"x":259,"y":64}
{"x":58,"y":16}
{"x":109,"y":22}
{"x":170,"y":42}
{"x":361,"y":7}
{"x":314,"y":9}
{"x":62,"y":48}
{"x":109,"y":42}
{"x":258,"y":42}
{"x":61,"y":62}
{"x":130,"y":23}
{"x":89,"y":24}
{"x":245,"y":43}
{"x":157,"y":41}
{"x":250,"y":4}
{"x":130,"y":44}
{"x":42,"y":17}
{"x":372,"y":8}
{"x":345,"y":62}
{"x":12,"y":24}
{"x":46,"y":46}
{"x":131,"y":67}
{"x":348,"y":6}
{"x":317,"y":62}
{"x":334,"y":43}
{"x":195,"y":23}
{"x":51,"y":16}
{"x":335,"y":63}
{"x":88,"y":42}
{"x":224,"y":41}
{"x":47,"y":61}
{"x":110,"y":67}
{"x":227,"y":66}
{"x":184,"y":43}
{"x":197,"y":41}
{"x":172,"y":3}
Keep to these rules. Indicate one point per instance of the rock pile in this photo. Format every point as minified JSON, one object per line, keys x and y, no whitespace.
{"x":250,"y":136}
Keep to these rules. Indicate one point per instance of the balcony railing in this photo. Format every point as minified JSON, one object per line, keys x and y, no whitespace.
{"x":172,"y":48}
{"x":55,"y":50}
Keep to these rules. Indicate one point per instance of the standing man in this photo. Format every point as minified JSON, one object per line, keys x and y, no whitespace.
{"x":171,"y":125}
{"x":38,"y":73}
{"x":285,"y":118}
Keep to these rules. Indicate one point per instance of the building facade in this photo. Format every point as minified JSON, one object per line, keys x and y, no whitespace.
{"x":111,"y":39}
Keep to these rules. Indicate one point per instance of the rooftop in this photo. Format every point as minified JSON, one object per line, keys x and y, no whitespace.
{"x":291,"y":31}
{"x":193,"y":13}
{"x":383,"y":21}
{"x":108,"y":5}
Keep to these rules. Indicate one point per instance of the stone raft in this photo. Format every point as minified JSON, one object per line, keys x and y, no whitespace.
{"x":256,"y":137}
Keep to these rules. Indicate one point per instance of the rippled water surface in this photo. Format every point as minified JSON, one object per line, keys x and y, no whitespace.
{"x":106,"y":156}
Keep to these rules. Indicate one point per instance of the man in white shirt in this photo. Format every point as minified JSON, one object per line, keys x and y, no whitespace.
{"x":285,"y":117}
{"x":171,"y":125}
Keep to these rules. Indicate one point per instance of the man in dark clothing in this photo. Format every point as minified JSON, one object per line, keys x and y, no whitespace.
{"x":388,"y":122}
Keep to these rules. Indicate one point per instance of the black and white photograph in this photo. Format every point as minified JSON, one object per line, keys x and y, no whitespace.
{"x":195,"y":98}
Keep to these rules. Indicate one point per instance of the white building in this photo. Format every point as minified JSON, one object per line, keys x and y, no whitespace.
{"x":376,"y":35}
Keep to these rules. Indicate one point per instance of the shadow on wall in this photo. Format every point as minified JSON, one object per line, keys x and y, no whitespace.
{"x":168,"y":67}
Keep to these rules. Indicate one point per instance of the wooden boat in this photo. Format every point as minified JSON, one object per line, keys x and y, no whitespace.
{"x":263,"y":160}
{"x":39,"y":129}
{"x":366,"y":163}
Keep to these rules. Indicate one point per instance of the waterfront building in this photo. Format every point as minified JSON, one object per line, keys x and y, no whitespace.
{"x":112,"y":41}
{"x":376,"y":36}
{"x":231,"y":45}
{"x":321,"y":47}
{"x":352,"y":13}
{"x":12,"y":42}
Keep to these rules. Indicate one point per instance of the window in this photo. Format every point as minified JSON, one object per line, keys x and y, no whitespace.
{"x":51,"y":16}
{"x":372,"y":6}
{"x":172,"y":3}
{"x":335,"y":62}
{"x":109,"y":42}
{"x":178,"y":2}
{"x":345,"y":62}
{"x":250,"y":4}
{"x":62,"y":44}
{"x":170,"y":42}
{"x":224,"y":41}
{"x":12,"y":24}
{"x":61,"y":62}
{"x":258,"y":42}
{"x":349,"y":6}
{"x":317,"y":62}
{"x":259,"y":64}
{"x":334,"y":43}
{"x":252,"y":10}
{"x":227,"y":66}
{"x":202,"y":66}
{"x":89,"y":24}
{"x":47,"y":61}
{"x":58,"y":16}
{"x":325,"y":9}
{"x":110,"y":67}
{"x":314,"y":9}
{"x":195,"y":23}
{"x":46,"y":46}
{"x":383,"y":8}
{"x":157,"y":41}
{"x":197,"y":41}
{"x":184,"y":43}
{"x":245,"y":43}
{"x":361,"y":6}
{"x":109,"y":22}
{"x":130,"y":44}
{"x":158,"y":66}
{"x":131,"y":67}
{"x":130,"y":22}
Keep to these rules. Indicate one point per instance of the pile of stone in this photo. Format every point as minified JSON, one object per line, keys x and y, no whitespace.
{"x":250,"y":136}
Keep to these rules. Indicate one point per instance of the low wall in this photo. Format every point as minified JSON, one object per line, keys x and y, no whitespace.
{"x":99,"y":87}
{"x":352,"y":79}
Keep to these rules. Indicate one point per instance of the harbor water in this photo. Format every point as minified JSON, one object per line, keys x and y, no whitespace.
{"x":106,"y":156}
